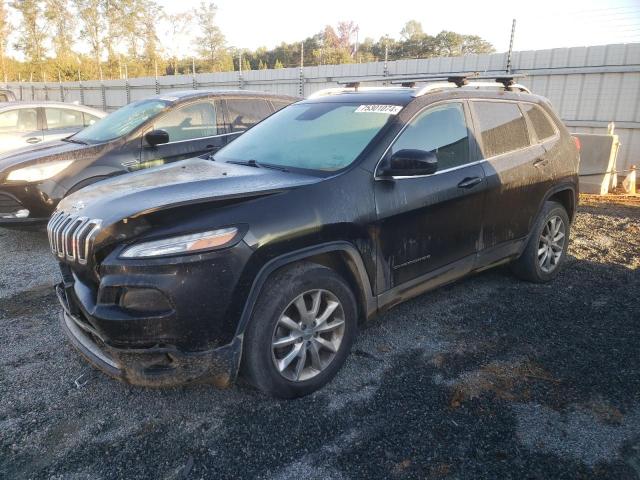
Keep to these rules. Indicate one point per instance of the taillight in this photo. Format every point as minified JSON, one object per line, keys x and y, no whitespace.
{"x":577,"y":142}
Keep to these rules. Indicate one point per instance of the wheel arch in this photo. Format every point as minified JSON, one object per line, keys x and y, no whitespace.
{"x":565,"y":194}
{"x":342,"y":257}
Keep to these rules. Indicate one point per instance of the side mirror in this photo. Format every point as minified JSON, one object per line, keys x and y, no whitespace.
{"x":410,"y":163}
{"x":156,"y":137}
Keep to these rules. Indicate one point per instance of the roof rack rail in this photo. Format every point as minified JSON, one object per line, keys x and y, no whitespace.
{"x":440,"y":82}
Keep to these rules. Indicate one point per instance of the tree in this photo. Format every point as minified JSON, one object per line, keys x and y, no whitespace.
{"x":179,"y":24}
{"x":211,"y":40}
{"x":33,"y":32}
{"x":411,"y":30}
{"x":278,"y":65}
{"x":5,"y":28}
{"x":59,"y":15}
{"x":92,"y":29}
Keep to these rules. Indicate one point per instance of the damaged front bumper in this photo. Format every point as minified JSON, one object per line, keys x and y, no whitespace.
{"x":159,"y":366}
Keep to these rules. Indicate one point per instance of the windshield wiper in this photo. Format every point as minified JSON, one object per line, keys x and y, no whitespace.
{"x":72,"y":140}
{"x":248,"y":163}
{"x":254,"y":163}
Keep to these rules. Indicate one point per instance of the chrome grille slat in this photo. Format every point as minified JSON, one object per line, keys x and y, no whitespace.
{"x":71,"y":237}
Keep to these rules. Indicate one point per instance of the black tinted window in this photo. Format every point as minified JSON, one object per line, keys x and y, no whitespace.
{"x":540,"y":121}
{"x":197,"y":120}
{"x":244,"y":113}
{"x":502,"y":127}
{"x":442,"y":130}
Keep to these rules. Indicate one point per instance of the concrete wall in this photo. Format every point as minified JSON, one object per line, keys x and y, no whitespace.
{"x":589,"y":86}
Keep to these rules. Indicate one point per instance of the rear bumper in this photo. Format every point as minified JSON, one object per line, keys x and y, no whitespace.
{"x":159,"y":366}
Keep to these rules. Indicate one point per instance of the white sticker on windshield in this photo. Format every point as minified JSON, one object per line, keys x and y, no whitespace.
{"x":388,"y":109}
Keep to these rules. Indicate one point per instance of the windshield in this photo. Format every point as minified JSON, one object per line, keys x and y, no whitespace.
{"x":121,"y":122}
{"x":314,"y":136}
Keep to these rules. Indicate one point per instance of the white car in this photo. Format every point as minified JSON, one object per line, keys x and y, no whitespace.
{"x":28,"y":123}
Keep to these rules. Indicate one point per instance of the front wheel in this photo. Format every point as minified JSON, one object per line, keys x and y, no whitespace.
{"x":547,"y":247}
{"x":301,"y":331}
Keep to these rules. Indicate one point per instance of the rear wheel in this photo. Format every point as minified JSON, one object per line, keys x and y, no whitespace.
{"x":546,"y":249}
{"x":301,"y":331}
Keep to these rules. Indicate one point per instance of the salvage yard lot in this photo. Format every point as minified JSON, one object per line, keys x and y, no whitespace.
{"x":489,"y":377}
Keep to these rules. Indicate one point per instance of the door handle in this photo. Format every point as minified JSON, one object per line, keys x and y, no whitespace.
{"x":34,"y":140}
{"x":540,"y":162}
{"x":469,"y":182}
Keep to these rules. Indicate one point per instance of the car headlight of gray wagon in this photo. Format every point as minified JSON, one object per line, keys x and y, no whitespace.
{"x":183,"y":244}
{"x":38,"y":172}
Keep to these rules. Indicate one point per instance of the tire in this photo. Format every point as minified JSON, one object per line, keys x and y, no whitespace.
{"x":533,"y":265}
{"x":262,"y":364}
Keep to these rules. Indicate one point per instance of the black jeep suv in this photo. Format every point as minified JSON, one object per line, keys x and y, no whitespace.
{"x":332,"y":210}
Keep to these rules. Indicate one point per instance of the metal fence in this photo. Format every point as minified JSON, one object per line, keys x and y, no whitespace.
{"x":589,"y":86}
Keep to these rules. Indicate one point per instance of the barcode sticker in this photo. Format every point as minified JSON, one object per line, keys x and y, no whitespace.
{"x":388,"y":109}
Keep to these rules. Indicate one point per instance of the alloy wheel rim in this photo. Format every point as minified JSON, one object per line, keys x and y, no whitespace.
{"x":308,"y":335}
{"x":551,"y":244}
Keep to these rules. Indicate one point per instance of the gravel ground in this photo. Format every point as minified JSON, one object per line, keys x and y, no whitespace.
{"x":487,"y":378}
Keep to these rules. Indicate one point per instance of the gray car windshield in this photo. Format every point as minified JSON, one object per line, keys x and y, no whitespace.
{"x":313,"y":136}
{"x":121,"y":122}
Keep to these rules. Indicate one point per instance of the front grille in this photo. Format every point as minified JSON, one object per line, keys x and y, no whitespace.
{"x":8,"y":204}
{"x":71,"y":237}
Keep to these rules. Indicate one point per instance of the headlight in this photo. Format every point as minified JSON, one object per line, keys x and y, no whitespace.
{"x":196,"y":242}
{"x":36,"y":173}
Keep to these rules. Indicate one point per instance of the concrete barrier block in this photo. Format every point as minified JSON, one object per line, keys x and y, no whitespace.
{"x":598,"y":155}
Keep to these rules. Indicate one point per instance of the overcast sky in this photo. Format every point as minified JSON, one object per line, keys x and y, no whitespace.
{"x":540,"y":23}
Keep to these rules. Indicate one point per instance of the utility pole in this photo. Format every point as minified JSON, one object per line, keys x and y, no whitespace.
{"x":513,"y":33}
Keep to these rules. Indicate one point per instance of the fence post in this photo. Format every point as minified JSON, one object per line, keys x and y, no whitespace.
{"x":157,"y":83}
{"x":21,"y":94}
{"x":194,"y":81}
{"x":33,"y":92}
{"x":61,"y":87}
{"x":46,"y":92}
{"x":104,"y":96}
{"x":240,"y":79}
{"x":301,"y":79}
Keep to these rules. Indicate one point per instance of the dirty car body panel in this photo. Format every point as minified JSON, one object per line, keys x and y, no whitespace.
{"x":181,"y":318}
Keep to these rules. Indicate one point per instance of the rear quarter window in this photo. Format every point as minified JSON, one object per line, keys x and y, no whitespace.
{"x":244,"y":113}
{"x":502,"y":127}
{"x":540,"y":121}
{"x":279,"y":104}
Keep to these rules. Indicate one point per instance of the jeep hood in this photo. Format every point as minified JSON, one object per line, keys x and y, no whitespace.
{"x":186,"y":182}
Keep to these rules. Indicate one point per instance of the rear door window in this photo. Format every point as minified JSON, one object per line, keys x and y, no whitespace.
{"x":244,"y":113}
{"x":4,"y":97}
{"x":19,"y":120}
{"x":197,"y":120}
{"x":502,"y":127}
{"x":63,"y":118}
{"x":441,"y":130}
{"x":540,"y":121}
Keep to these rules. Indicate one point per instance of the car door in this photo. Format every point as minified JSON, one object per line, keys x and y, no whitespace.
{"x":61,"y":122}
{"x":432,"y":221}
{"x":194,"y":129}
{"x":513,"y":172}
{"x":19,"y":127}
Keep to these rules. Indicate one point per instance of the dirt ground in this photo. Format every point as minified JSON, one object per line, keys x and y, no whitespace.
{"x":487,"y":378}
